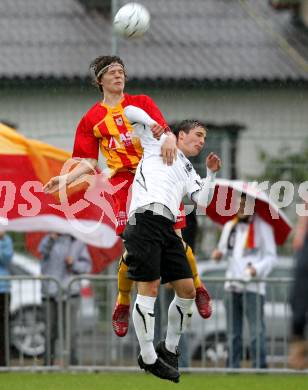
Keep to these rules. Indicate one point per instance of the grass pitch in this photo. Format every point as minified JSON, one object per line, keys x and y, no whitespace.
{"x":141,"y":381}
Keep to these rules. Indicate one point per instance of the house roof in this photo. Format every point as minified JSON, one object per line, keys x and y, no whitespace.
{"x":199,"y":40}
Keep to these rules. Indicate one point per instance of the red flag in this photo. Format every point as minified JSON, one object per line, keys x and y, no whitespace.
{"x":84,"y":211}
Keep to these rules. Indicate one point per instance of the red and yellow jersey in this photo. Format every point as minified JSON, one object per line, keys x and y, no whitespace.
{"x":106,"y":128}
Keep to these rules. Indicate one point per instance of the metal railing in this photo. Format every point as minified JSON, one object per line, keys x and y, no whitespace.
{"x":84,"y":338}
{"x":25,"y":329}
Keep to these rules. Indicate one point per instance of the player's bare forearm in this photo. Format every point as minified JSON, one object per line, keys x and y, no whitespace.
{"x":83,"y":167}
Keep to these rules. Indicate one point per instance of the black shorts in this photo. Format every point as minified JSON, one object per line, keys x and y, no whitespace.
{"x":154,"y":250}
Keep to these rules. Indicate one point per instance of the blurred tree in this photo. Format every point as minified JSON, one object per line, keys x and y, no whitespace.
{"x":286,"y":165}
{"x":289,"y":166}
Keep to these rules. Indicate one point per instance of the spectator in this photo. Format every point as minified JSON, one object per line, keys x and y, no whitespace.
{"x":299,"y":301}
{"x":63,"y":257}
{"x":6,"y":254}
{"x":248,"y":244}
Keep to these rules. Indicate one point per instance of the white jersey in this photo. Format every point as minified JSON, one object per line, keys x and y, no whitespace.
{"x":156,"y":182}
{"x":263,"y":256}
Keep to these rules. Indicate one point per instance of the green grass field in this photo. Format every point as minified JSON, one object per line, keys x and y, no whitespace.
{"x":140,"y":381}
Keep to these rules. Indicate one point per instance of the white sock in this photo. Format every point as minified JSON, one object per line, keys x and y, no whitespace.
{"x":178,"y":315}
{"x":144,"y":320}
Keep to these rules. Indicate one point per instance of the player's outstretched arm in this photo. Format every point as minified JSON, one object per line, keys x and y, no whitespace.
{"x":137,"y":114}
{"x":168,"y":148}
{"x":56,"y":183}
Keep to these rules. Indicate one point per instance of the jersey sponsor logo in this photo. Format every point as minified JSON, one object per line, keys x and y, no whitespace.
{"x":113,"y":143}
{"x":188,"y":167}
{"x":123,"y":139}
{"x":180,"y":218}
{"x":119,"y":121}
{"x":122,"y":218}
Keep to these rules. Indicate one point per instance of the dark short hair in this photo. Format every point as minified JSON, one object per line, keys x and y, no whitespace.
{"x":187,"y":125}
{"x":101,"y":62}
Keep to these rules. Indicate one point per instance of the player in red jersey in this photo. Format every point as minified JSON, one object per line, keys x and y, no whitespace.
{"x":105,"y":127}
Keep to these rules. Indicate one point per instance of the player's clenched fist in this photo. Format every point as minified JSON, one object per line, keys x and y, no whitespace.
{"x":213,"y":162}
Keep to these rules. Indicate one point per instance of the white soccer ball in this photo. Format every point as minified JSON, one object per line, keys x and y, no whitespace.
{"x":132,"y":20}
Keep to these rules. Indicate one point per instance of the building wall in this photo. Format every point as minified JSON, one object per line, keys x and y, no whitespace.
{"x":274,"y":118}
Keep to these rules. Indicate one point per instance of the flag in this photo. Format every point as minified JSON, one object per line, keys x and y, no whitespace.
{"x":84,"y":211}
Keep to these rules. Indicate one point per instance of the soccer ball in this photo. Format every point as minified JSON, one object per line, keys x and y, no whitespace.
{"x":132,"y":20}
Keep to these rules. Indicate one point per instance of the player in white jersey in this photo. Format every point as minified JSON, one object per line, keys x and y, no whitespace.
{"x":154,"y":251}
{"x":181,"y":177}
